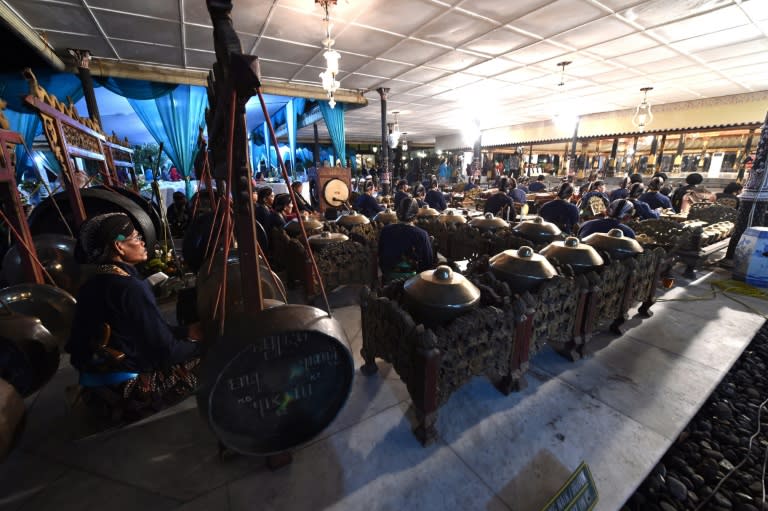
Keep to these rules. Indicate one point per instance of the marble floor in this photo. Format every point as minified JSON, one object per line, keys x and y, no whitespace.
{"x":618,"y":409}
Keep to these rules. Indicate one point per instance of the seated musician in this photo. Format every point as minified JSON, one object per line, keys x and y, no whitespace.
{"x":561,"y":211}
{"x":366,"y":204}
{"x":131,"y":362}
{"x":419,"y":194}
{"x":596,"y":189}
{"x":619,"y":212}
{"x":622,"y":191}
{"x":404,"y":249}
{"x":497,"y":202}
{"x":401,"y":192}
{"x":179,"y":215}
{"x":518,"y":195}
{"x":298,"y":187}
{"x":262,"y":209}
{"x":730,"y":195}
{"x":284,"y":208}
{"x":539,"y":185}
{"x":435,"y":197}
{"x":653,"y":197}
{"x":642,"y":210}
{"x":692,"y":181}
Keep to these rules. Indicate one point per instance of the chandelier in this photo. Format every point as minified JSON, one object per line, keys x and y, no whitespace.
{"x":564,"y":117}
{"x":403,"y":141}
{"x":330,"y":84}
{"x":394,"y":132}
{"x":643,"y":116}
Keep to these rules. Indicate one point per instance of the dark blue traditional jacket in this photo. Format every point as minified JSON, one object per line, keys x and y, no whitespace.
{"x":127,"y":304}
{"x":604,"y":225}
{"x":404,"y":243}
{"x":561,"y":213}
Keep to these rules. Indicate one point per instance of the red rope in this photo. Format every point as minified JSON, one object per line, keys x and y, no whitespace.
{"x":287,"y":180}
{"x":20,"y":239}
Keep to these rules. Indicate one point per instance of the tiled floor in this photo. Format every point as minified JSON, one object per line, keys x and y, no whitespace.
{"x":618,"y":410}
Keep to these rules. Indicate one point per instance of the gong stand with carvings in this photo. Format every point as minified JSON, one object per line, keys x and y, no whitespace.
{"x":14,"y":211}
{"x":232,"y":82}
{"x":120,"y":155}
{"x":69,"y":136}
{"x":435,"y":362}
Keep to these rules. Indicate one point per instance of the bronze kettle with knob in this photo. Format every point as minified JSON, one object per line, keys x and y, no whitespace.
{"x":386,"y":217}
{"x":577,"y":255}
{"x":352,"y":219}
{"x":614,"y":243}
{"x":538,"y":230}
{"x":311,"y":225}
{"x":450,"y":216}
{"x":439,"y":295}
{"x":326,"y":238}
{"x":488,"y":222}
{"x":523,"y":269}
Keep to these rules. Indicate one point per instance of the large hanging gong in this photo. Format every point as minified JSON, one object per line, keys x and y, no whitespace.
{"x":208,"y":286}
{"x":29,"y":354}
{"x":150,"y":207}
{"x":57,"y":254}
{"x":274,"y":381}
{"x":45,"y":219}
{"x":54,"y":307}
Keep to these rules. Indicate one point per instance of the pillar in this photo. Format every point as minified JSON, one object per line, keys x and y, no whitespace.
{"x":755,"y":194}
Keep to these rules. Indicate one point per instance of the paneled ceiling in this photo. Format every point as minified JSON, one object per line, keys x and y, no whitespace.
{"x":448,"y":62}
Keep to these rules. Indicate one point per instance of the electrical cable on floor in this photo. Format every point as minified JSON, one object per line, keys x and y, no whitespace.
{"x":762,"y":479}
{"x":723,"y":287}
{"x":746,"y":457}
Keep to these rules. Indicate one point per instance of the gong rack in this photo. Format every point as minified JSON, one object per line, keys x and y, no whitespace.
{"x":9,"y":195}
{"x":70,"y":136}
{"x":498,"y":338}
{"x":249,"y":363}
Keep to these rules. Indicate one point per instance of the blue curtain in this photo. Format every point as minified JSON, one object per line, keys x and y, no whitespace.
{"x":136,"y":89}
{"x":290,"y":109}
{"x":13,"y":88}
{"x":334,"y":121}
{"x":174,"y":119}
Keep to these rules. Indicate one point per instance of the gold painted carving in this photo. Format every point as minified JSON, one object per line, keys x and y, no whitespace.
{"x":49,"y":127}
{"x":4,"y":124}
{"x":38,"y":92}
{"x":80,"y":139}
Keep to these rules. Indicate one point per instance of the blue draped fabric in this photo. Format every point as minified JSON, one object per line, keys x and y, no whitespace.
{"x":334,"y":121}
{"x":290,"y":109}
{"x":13,"y":88}
{"x":136,"y":89}
{"x":174,"y":120}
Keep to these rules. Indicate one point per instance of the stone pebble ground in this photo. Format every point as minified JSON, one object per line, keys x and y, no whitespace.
{"x":711,"y":467}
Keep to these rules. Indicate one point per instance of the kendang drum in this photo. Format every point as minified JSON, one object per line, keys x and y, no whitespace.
{"x":275,"y":380}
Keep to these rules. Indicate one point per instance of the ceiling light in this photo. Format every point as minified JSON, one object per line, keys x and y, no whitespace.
{"x":643,"y":116}
{"x":564,"y":118}
{"x":403,"y":142}
{"x":394,"y":132}
{"x":328,"y":77}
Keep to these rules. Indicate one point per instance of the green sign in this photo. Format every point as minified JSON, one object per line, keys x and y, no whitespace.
{"x":577,"y":494}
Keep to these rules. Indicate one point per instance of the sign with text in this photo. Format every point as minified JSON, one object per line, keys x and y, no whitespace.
{"x":577,"y":494}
